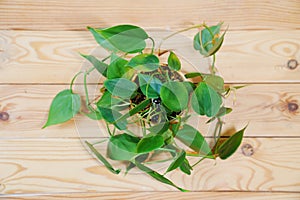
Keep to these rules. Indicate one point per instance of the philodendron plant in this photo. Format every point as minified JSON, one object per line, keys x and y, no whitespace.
{"x":140,"y":88}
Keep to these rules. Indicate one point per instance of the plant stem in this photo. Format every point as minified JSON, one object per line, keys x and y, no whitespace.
{"x":73,"y":79}
{"x":153,"y":44}
{"x":213,"y":69}
{"x":177,"y":32}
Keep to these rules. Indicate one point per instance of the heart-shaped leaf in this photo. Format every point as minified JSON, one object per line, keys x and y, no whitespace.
{"x":120,"y":87}
{"x":112,"y":102}
{"x":149,"y":85}
{"x":118,"y":69}
{"x":150,"y":143}
{"x":126,"y":38}
{"x":174,"y":62}
{"x":144,"y":62}
{"x":122,"y":147}
{"x":63,"y":107}
{"x":205,"y":100}
{"x":214,"y":81}
{"x":174,"y":95}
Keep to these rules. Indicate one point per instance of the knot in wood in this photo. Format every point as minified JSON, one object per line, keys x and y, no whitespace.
{"x":4,"y":116}
{"x":292,"y":106}
{"x":247,"y":149}
{"x":292,"y":64}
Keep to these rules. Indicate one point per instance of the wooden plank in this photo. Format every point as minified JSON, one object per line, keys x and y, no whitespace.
{"x":34,"y":166}
{"x":74,"y":15}
{"x":158,"y":196}
{"x":247,"y":56}
{"x":270,"y":109}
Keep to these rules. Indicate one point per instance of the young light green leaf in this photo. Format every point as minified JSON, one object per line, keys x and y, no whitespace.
{"x":120,"y":87}
{"x":214,"y":81}
{"x":149,"y":143}
{"x":122,"y":147}
{"x":100,"y":66}
{"x":144,"y":62}
{"x":205,"y":100}
{"x":226,"y":149}
{"x":111,"y":116}
{"x":191,"y":137}
{"x":174,"y":95}
{"x":158,"y":176}
{"x":64,"y":107}
{"x":102,"y":159}
{"x":94,"y":115}
{"x":126,"y":38}
{"x":149,"y":85}
{"x":118,"y":69}
{"x":174,"y":62}
{"x":178,"y":161}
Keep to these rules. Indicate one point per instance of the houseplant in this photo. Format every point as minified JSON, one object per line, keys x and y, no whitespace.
{"x":140,"y":89}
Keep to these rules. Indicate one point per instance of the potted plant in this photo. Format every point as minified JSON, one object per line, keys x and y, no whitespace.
{"x":142,"y":89}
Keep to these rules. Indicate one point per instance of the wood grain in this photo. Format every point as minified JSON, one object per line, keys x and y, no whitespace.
{"x":31,"y":166}
{"x":264,"y":106}
{"x":52,"y":57}
{"x":74,"y":15}
{"x":158,"y":196}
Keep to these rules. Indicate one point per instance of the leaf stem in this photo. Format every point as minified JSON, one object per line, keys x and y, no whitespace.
{"x":177,"y":32}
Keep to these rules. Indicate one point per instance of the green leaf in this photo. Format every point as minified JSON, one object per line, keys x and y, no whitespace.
{"x":94,"y":115}
{"x":102,"y":159}
{"x":205,"y":100}
{"x":174,"y":95}
{"x":197,"y":45}
{"x":178,"y":161}
{"x":118,"y":69}
{"x":149,"y":85}
{"x":126,"y":38}
{"x":111,"y":116}
{"x":144,"y":62}
{"x":193,"y":75}
{"x":120,"y":87}
{"x":217,"y":45}
{"x":158,"y":176}
{"x":140,"y":158}
{"x":150,"y":143}
{"x":101,"y":67}
{"x":64,"y":107}
{"x":174,"y":62}
{"x":159,"y":128}
{"x":185,"y":167}
{"x":122,"y":147}
{"x":214,"y":81}
{"x":208,"y":34}
{"x":191,"y":137}
{"x":112,"y":102}
{"x":227,"y":148}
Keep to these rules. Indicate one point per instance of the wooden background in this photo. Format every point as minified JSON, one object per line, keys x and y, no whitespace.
{"x":39,"y":41}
